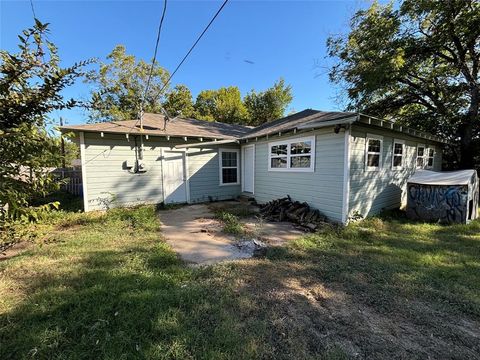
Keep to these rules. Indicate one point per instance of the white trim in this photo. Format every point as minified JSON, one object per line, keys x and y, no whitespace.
{"x":402,"y":142}
{"x":84,"y":171}
{"x":423,"y":157}
{"x":380,"y":160}
{"x":289,"y":156}
{"x":243,"y":167}
{"x":162,"y":162}
{"x":346,"y":178}
{"x":220,"y":166}
{"x":187,"y":176}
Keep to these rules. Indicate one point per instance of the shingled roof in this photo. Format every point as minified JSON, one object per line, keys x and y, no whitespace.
{"x":155,"y":124}
{"x":292,"y":121}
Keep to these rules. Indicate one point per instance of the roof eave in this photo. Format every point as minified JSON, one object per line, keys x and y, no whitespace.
{"x":387,"y":124}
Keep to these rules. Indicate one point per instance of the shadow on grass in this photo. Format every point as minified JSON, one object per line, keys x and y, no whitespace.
{"x":323,"y":297}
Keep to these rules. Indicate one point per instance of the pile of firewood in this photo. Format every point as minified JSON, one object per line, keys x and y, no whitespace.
{"x":300,"y":213}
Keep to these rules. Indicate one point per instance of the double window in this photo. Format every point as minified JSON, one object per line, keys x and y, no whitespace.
{"x":373,"y":152}
{"x":292,"y":155}
{"x":398,"y":154}
{"x":425,"y":157}
{"x":229,"y":169}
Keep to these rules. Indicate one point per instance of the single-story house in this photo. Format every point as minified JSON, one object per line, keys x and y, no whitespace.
{"x":340,"y":163}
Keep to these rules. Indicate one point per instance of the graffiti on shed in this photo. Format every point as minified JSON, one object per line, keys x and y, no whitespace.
{"x":442,"y":203}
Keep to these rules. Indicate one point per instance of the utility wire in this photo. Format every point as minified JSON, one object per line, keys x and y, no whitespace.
{"x":193,"y":46}
{"x":142,"y":102}
{"x":188,"y":52}
{"x":33,"y":9}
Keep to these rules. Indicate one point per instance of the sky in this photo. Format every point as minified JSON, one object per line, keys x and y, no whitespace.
{"x":251,"y":44}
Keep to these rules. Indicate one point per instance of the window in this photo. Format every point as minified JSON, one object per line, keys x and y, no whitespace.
{"x":229,"y":170}
{"x":430,"y":157}
{"x":292,"y":155}
{"x":420,"y":156}
{"x":398,"y":154}
{"x":373,"y":152}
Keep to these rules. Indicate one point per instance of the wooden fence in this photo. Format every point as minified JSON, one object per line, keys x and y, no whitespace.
{"x":73,"y":178}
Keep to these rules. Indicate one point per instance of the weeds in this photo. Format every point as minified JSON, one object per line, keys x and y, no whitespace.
{"x":231,"y":223}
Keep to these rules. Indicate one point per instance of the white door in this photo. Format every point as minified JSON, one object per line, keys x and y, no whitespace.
{"x":174,"y":182}
{"x":248,"y":168}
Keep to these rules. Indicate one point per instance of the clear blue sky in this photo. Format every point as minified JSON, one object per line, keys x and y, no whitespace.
{"x":282,"y":39}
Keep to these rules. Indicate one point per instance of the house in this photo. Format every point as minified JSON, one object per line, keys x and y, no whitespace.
{"x":340,"y":163}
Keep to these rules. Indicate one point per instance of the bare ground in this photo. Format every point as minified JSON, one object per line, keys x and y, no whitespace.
{"x":298,"y":305}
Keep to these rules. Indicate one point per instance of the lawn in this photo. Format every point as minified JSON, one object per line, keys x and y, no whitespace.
{"x":106,"y":286}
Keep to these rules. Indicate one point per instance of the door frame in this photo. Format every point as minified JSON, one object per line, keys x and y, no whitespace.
{"x":186,"y":175}
{"x":243,"y":167}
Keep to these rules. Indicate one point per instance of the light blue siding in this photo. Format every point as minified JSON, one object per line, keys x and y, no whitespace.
{"x":373,"y":191}
{"x":204,"y":174}
{"x":109,"y":183}
{"x":321,"y":189}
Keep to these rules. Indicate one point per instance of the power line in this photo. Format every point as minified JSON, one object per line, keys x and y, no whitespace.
{"x":187,"y":54}
{"x":193,"y":46}
{"x":33,"y":9}
{"x":153,"y":61}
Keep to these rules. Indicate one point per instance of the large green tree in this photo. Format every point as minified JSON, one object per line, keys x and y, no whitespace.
{"x":119,"y":86}
{"x":180,"y":102}
{"x":224,"y":105}
{"x":268,"y":105}
{"x":417,"y":63}
{"x":31,"y":85}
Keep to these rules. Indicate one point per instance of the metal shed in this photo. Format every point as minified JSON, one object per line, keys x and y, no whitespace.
{"x":449,"y":197}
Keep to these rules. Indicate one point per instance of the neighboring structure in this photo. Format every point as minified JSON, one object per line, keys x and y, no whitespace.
{"x":340,"y":163}
{"x":447,"y":197}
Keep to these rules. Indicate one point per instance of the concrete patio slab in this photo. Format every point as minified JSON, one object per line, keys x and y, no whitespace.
{"x":197,"y":237}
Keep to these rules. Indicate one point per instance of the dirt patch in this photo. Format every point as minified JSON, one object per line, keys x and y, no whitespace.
{"x":15,"y":250}
{"x":299,"y":305}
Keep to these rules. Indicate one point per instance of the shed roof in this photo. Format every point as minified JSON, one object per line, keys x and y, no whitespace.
{"x":427,"y":177}
{"x":155,"y":124}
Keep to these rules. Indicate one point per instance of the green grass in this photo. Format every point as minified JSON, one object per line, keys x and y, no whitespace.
{"x":106,"y":286}
{"x":388,"y":259}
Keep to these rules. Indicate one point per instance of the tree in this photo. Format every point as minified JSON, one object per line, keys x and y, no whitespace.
{"x":224,"y":105}
{"x":120,"y":86}
{"x":205,"y":105}
{"x":179,"y":101}
{"x":268,"y":105}
{"x":31,"y":85}
{"x":418,"y":63}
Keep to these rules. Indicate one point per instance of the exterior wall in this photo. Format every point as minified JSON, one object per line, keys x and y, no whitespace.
{"x":370,"y":192}
{"x":321,"y":189}
{"x":109,"y":182}
{"x":204,"y":175}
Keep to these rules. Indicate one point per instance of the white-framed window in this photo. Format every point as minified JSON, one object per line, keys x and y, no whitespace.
{"x":430,"y":157}
{"x":398,"y":154}
{"x":373,"y":152}
{"x":420,"y":156}
{"x":229,"y":166}
{"x":292,"y":155}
